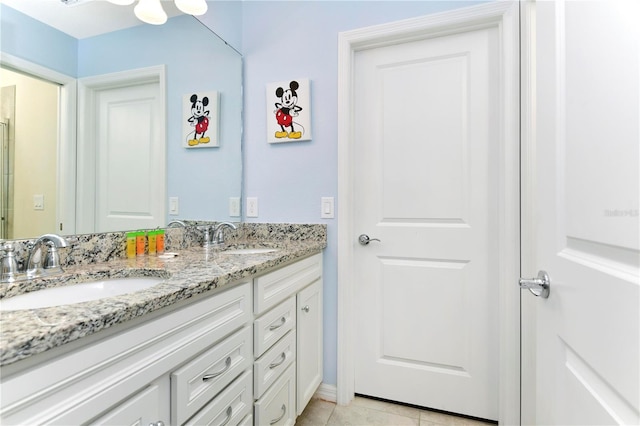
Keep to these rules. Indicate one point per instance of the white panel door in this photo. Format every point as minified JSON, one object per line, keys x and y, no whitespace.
{"x":130,"y":158}
{"x":426,"y":185}
{"x":587,"y":203}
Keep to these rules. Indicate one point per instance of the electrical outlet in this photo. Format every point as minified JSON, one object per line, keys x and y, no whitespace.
{"x":38,"y":202}
{"x":234,"y":206}
{"x":174,"y":206}
{"x":252,"y":207}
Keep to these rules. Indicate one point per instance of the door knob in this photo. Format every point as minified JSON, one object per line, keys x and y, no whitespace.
{"x":539,"y":286}
{"x":364,"y":239}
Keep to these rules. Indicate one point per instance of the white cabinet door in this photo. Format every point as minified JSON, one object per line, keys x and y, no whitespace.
{"x":309,"y":350}
{"x":587,"y":149}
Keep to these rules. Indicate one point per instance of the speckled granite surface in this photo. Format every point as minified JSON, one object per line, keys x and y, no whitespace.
{"x":194,"y":271}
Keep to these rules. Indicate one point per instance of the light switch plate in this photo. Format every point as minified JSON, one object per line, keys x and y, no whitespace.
{"x":234,"y":206}
{"x":252,"y":207}
{"x":174,"y":206}
{"x":327,"y":208}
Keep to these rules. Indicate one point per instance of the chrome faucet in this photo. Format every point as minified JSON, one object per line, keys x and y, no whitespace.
{"x":36,"y":265}
{"x":218,"y":234}
{"x":176,"y":222}
{"x":9,"y":269}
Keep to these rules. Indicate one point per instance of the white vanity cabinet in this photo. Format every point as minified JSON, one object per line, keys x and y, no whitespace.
{"x":147,"y":373}
{"x":248,"y":354}
{"x":287,"y":340}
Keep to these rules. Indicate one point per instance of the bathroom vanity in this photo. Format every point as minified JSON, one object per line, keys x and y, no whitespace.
{"x":224,"y":339}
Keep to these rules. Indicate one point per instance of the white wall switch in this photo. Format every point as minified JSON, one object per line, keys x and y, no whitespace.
{"x":252,"y":207}
{"x":326,"y":208}
{"x":234,"y":206}
{"x":38,"y":202}
{"x":174,"y":206}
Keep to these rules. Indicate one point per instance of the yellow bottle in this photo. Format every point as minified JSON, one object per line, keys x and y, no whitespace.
{"x":152,"y":242}
{"x":131,"y":245}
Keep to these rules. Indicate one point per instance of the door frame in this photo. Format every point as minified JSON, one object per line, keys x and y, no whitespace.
{"x":527,"y":209}
{"x":505,"y":17}
{"x":88,"y":87}
{"x":66,"y":157}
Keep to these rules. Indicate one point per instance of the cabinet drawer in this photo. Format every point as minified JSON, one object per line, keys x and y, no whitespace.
{"x":274,"y":287}
{"x":277,"y":406}
{"x":143,"y":408}
{"x":231,"y":407}
{"x":270,"y":366}
{"x":247,"y":421}
{"x":206,"y":375}
{"x":270,"y":327}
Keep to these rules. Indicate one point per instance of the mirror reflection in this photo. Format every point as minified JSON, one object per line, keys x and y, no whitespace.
{"x":93,"y":180}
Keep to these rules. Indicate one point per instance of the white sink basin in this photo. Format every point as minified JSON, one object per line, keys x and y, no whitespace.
{"x":249,"y":251}
{"x":77,"y":293}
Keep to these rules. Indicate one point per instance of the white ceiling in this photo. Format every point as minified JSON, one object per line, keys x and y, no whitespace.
{"x":86,"y":18}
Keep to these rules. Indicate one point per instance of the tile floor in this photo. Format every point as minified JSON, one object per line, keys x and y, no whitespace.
{"x":371,"y":412}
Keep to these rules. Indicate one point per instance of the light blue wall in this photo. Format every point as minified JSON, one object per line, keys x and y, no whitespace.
{"x":225,"y":19}
{"x":288,"y":40}
{"x":35,"y":42}
{"x":195,"y":61}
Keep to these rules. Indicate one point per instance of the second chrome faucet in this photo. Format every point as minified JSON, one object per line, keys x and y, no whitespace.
{"x":214,"y":236}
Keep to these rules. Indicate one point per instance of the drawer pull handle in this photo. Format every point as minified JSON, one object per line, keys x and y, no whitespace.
{"x":284,"y":411}
{"x":229,"y":415}
{"x":214,"y":375}
{"x":283,"y":321}
{"x":283,"y":357}
{"x":305,"y":308}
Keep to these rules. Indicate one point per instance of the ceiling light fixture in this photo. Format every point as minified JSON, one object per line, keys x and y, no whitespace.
{"x":122,"y":2}
{"x":192,"y":7}
{"x":151,"y":11}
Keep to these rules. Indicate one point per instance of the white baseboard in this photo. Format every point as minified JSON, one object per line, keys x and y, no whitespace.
{"x":326,"y":392}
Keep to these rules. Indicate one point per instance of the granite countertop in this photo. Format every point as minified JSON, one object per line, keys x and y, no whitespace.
{"x":193,"y":272}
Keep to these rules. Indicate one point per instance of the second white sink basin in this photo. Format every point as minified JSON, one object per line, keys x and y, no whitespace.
{"x":249,"y":250}
{"x":77,"y":293}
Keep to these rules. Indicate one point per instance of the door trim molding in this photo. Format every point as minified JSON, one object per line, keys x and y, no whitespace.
{"x":528,"y":203}
{"x":504,"y":16}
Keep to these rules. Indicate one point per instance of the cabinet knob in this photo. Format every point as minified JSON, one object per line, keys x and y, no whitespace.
{"x":158,"y":423}
{"x":305,"y":308}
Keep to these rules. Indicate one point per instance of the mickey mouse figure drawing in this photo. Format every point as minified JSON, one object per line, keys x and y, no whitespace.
{"x":287,"y":108}
{"x":199,"y":119}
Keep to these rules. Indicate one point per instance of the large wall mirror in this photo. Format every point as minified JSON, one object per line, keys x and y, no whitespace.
{"x":54,"y":158}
